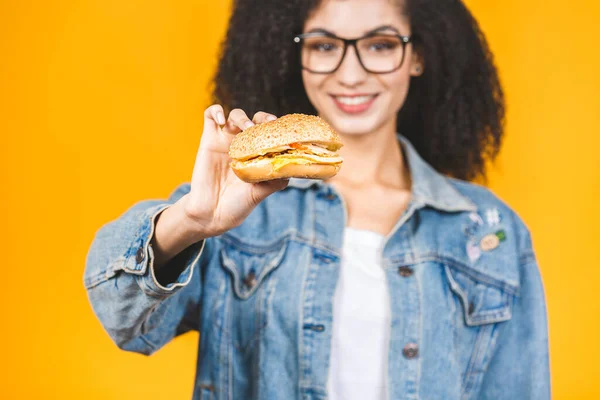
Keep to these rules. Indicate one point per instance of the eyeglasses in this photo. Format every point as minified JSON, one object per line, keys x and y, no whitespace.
{"x":378,"y":53}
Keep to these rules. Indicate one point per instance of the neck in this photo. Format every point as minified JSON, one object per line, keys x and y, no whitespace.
{"x":373,"y":159}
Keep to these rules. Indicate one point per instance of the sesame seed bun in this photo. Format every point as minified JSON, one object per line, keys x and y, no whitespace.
{"x":291,"y":128}
{"x":293,"y":146}
{"x":253,"y":173}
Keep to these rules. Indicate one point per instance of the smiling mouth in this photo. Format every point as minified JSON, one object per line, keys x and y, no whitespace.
{"x":356,"y":104}
{"x":354,"y":100}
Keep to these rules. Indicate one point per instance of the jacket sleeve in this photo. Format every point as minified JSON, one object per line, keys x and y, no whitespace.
{"x":519,"y":368}
{"x":139,"y":313}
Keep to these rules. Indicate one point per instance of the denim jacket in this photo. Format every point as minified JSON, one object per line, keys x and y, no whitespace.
{"x":468,"y":314}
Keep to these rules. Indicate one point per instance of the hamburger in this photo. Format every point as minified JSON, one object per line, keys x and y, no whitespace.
{"x":293,"y":146}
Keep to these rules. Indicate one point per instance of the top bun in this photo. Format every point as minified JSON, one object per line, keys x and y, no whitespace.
{"x":291,"y":128}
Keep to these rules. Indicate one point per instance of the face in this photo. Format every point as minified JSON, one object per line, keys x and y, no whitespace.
{"x":352,"y":100}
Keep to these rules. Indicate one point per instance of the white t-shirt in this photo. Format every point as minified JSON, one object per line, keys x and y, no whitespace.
{"x":361,"y":321}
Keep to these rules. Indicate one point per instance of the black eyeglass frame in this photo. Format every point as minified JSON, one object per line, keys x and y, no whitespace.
{"x":352,"y":42}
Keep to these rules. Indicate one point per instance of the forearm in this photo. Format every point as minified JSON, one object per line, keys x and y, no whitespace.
{"x":121,"y":285}
{"x":173,"y":233}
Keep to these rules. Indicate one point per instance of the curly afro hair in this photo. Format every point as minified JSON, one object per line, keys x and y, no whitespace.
{"x":453,"y":114}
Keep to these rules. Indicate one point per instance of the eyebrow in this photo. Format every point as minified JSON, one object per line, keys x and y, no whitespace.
{"x":378,"y":29}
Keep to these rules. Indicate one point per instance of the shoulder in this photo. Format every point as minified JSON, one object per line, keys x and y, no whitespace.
{"x":494,"y":211}
{"x":488,"y":244}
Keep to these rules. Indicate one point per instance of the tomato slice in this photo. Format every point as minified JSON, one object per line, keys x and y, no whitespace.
{"x":297,"y":146}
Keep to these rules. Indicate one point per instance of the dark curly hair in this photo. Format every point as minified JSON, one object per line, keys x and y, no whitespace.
{"x":453,"y":114}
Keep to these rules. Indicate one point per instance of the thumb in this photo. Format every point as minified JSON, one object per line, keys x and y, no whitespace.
{"x":262,"y":190}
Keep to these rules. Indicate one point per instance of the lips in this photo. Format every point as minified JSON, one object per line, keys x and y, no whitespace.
{"x":354,"y":104}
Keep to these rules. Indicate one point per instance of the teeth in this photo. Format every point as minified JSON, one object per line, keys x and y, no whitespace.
{"x":353,"y":101}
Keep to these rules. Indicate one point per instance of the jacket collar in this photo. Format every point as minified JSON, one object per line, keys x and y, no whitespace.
{"x":429,"y":187}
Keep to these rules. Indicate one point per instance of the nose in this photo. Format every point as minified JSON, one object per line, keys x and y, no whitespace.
{"x":350,"y":72}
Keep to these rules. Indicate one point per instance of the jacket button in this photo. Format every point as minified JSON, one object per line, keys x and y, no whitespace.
{"x":471,"y":307}
{"x":405,"y":271}
{"x":411,"y":350}
{"x":139,"y":255}
{"x":330,"y":197}
{"x":250,"y":280}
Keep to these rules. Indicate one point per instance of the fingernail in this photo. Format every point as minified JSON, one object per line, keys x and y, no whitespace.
{"x":271,"y":118}
{"x":248,"y":124}
{"x":221,"y":118}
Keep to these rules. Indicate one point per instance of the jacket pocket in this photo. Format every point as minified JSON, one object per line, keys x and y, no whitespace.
{"x":482,"y":302}
{"x":252,"y":285}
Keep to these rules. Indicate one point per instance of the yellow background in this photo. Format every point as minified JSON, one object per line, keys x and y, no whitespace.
{"x":101,"y":105}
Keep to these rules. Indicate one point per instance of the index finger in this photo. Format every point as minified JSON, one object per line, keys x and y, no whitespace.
{"x":215,"y":113}
{"x":237,"y":121}
{"x":262,"y":117}
{"x":214,"y":138}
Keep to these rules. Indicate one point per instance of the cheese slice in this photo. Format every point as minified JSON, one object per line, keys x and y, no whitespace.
{"x":281,"y":162}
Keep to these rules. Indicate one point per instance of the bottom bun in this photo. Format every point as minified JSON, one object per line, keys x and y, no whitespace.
{"x":260,"y":172}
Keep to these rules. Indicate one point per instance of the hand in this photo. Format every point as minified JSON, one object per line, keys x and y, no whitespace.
{"x":218,"y":199}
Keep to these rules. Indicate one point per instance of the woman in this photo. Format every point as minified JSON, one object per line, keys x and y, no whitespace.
{"x":390,"y":280}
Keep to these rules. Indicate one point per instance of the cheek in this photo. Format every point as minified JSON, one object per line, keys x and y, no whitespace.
{"x":312,"y":85}
{"x":396,"y":85}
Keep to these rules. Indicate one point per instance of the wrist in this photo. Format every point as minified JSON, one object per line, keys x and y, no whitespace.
{"x":194,"y":228}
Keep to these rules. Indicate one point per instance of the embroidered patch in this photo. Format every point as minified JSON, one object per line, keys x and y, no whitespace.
{"x":492,"y":216}
{"x":501,"y":235}
{"x":476,"y":218}
{"x":473,"y":251}
{"x":470,"y":230}
{"x":491,"y":241}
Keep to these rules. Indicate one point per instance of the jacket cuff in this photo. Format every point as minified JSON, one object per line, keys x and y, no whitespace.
{"x":189,"y":257}
{"x":140,"y":257}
